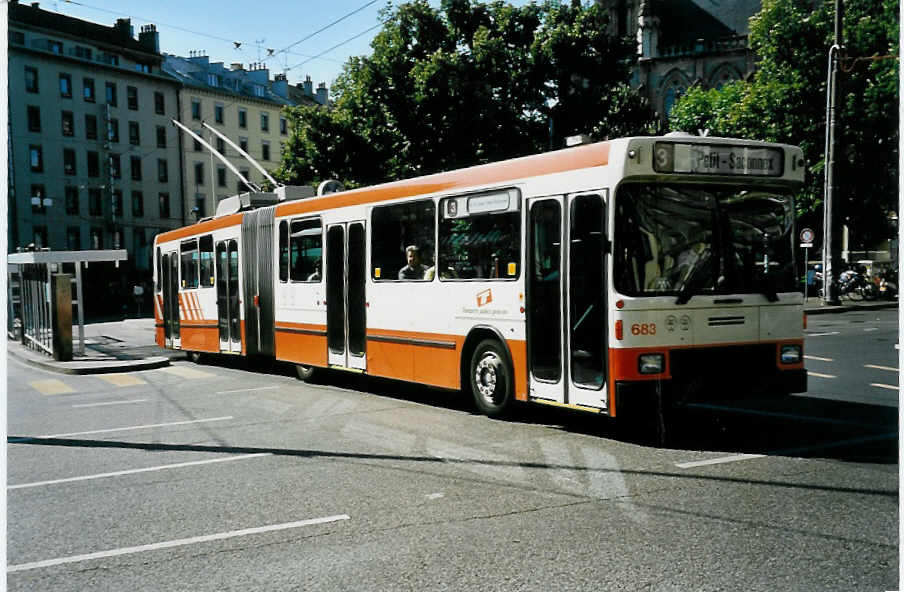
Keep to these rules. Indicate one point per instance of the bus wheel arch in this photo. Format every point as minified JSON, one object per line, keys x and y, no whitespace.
{"x":487,"y":371}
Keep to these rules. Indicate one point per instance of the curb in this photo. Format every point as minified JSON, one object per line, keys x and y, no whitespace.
{"x":849,"y":307}
{"x":88,"y":367}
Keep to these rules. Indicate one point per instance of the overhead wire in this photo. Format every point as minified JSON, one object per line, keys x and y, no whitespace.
{"x":322,"y":29}
{"x":326,"y":51}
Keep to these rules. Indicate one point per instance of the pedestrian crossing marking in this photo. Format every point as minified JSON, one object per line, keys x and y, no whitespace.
{"x":51,"y":386}
{"x":189,"y":373}
{"x":121,"y":379}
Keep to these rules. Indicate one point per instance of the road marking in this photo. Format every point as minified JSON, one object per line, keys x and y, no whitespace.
{"x":121,"y":379}
{"x":189,"y":373}
{"x":138,"y":427}
{"x":817,"y":358}
{"x":260,"y":388}
{"x":51,"y":386}
{"x":433,"y":496}
{"x":175,"y":543}
{"x":885,"y":386}
{"x":134,"y":471}
{"x":822,"y":334}
{"x":818,"y":375}
{"x":875,"y":367}
{"x":718,"y":461}
{"x":871,"y":329}
{"x":81,"y":405}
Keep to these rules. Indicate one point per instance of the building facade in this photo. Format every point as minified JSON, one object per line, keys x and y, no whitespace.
{"x":94,"y":157}
{"x":681,"y":43}
{"x":243,"y":104}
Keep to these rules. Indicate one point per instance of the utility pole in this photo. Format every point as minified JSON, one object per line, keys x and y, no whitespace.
{"x":828,"y":287}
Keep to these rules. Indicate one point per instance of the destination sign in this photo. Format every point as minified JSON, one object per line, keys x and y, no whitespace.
{"x":712,"y":159}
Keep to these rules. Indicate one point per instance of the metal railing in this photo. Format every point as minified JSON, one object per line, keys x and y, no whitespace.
{"x":36,"y":307}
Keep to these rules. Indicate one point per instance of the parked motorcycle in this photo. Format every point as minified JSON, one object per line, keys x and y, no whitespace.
{"x":853,"y":284}
{"x":888,"y":284}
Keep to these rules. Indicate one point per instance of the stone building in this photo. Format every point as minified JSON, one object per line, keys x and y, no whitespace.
{"x":94,"y":159}
{"x":684,"y":42}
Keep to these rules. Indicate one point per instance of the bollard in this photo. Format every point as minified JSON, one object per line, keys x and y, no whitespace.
{"x":61,"y":292}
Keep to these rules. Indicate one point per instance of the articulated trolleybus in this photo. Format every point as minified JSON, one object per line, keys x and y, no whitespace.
{"x":600,"y":277}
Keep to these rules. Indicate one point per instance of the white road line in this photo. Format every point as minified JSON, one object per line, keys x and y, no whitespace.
{"x":248,"y":390}
{"x":134,"y":471}
{"x":817,"y":358}
{"x":871,"y":329}
{"x":139,"y":427}
{"x":890,"y":387}
{"x":82,"y":405}
{"x":818,"y":375}
{"x":875,"y":367}
{"x":175,"y":543}
{"x":822,"y":334}
{"x":718,"y":461}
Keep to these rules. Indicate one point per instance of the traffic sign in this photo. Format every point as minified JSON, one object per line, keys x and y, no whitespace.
{"x":807,"y":235}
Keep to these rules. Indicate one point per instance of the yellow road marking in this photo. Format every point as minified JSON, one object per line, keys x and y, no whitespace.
{"x":51,"y":386}
{"x":875,"y":367}
{"x":186,"y":372}
{"x":121,"y":379}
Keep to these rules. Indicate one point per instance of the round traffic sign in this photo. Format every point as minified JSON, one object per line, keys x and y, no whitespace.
{"x":807,"y":235}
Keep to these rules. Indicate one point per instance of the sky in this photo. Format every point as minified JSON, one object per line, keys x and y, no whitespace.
{"x":291,"y":28}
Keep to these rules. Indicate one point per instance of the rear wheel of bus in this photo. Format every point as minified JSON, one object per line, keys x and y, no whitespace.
{"x":304,"y":372}
{"x":491,"y":378}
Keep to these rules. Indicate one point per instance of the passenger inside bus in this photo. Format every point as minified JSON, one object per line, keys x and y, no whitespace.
{"x":315,"y":277}
{"x":414,"y":269}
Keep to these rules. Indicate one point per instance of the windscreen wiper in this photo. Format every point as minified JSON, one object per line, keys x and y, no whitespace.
{"x":687,"y":289}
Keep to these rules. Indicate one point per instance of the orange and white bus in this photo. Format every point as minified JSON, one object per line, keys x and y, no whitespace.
{"x":588,"y":277}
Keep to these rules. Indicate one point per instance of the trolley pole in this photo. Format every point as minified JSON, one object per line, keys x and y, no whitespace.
{"x":828,"y":287}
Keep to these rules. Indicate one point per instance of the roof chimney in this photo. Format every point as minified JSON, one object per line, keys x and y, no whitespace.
{"x":149,"y":38}
{"x":281,"y":86}
{"x":323,"y":95}
{"x":235,"y":66}
{"x":308,"y":86}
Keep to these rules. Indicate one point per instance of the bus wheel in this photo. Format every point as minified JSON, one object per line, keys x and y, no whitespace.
{"x":194,"y":357}
{"x":304,"y":372}
{"x":491,"y":379}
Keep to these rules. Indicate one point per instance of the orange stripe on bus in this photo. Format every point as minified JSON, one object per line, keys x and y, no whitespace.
{"x":206,"y":339}
{"x":200,"y":228}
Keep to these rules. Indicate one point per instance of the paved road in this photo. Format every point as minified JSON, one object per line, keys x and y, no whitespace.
{"x":214,"y":477}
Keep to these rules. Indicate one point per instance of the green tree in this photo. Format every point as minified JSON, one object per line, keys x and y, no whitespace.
{"x":786,"y":100}
{"x":464,"y":84}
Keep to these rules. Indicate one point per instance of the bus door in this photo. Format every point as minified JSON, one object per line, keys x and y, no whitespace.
{"x":169,"y":280}
{"x":566,"y":307}
{"x":227,"y":257}
{"x":345,"y":269}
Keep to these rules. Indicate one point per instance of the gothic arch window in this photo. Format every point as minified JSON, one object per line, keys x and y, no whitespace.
{"x":673,"y":86}
{"x":723,"y":75}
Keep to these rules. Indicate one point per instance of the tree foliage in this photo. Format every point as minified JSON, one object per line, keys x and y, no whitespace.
{"x":786,"y":102}
{"x":467,"y":83}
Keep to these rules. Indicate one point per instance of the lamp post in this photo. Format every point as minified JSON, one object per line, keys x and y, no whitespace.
{"x":829,"y":292}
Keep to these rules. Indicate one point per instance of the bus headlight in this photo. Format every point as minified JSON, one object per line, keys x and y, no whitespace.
{"x":791,"y":354}
{"x":650,"y":363}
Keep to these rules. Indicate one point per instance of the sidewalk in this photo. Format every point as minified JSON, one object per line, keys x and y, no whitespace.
{"x":119,"y":346}
{"x":814,"y":306}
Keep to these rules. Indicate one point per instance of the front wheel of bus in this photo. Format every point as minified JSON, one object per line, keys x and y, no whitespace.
{"x":491,"y":379}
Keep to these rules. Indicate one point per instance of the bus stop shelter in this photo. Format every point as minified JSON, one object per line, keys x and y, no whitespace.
{"x":30,"y":299}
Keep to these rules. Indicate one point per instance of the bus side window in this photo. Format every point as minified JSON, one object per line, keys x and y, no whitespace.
{"x":283,"y":251}
{"x":158,"y":286}
{"x":305,"y":251}
{"x":207,"y":270}
{"x":188,"y":261}
{"x":395,"y":228}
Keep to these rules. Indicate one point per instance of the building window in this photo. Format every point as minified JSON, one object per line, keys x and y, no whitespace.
{"x":159,"y":103}
{"x":221,"y":176}
{"x":265,"y":150}
{"x":162,"y":174}
{"x":68,"y":123}
{"x":115,"y":168}
{"x":196,"y":109}
{"x":132,"y":98}
{"x":146,"y":68}
{"x":218,"y":113}
{"x":258,"y":90}
{"x":117,"y":202}
{"x":111,"y":94}
{"x":113,"y":130}
{"x":213,"y":80}
{"x":37,"y":199}
{"x":197,"y":144}
{"x":72,"y":200}
{"x":34,"y":118}
{"x":221,"y":146}
{"x":265,"y":122}
{"x":88,"y":90}
{"x":240,"y":186}
{"x":283,"y":126}
{"x":199,"y":173}
{"x":40,"y":236}
{"x":17,"y":37}
{"x":200,"y":209}
{"x":137,"y":204}
{"x":243,"y":144}
{"x":83,"y":52}
{"x":56,"y":47}
{"x":134,"y":134}
{"x":135,"y":166}
{"x":65,"y":86}
{"x":95,"y":206}
{"x":163,"y":199}
{"x":31,"y":79}
{"x":243,"y":118}
{"x":68,"y":161}
{"x":35,"y":159}
{"x":73,"y":238}
{"x":97,"y":237}
{"x":161,"y":136}
{"x":90,"y":127}
{"x":93,"y":164}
